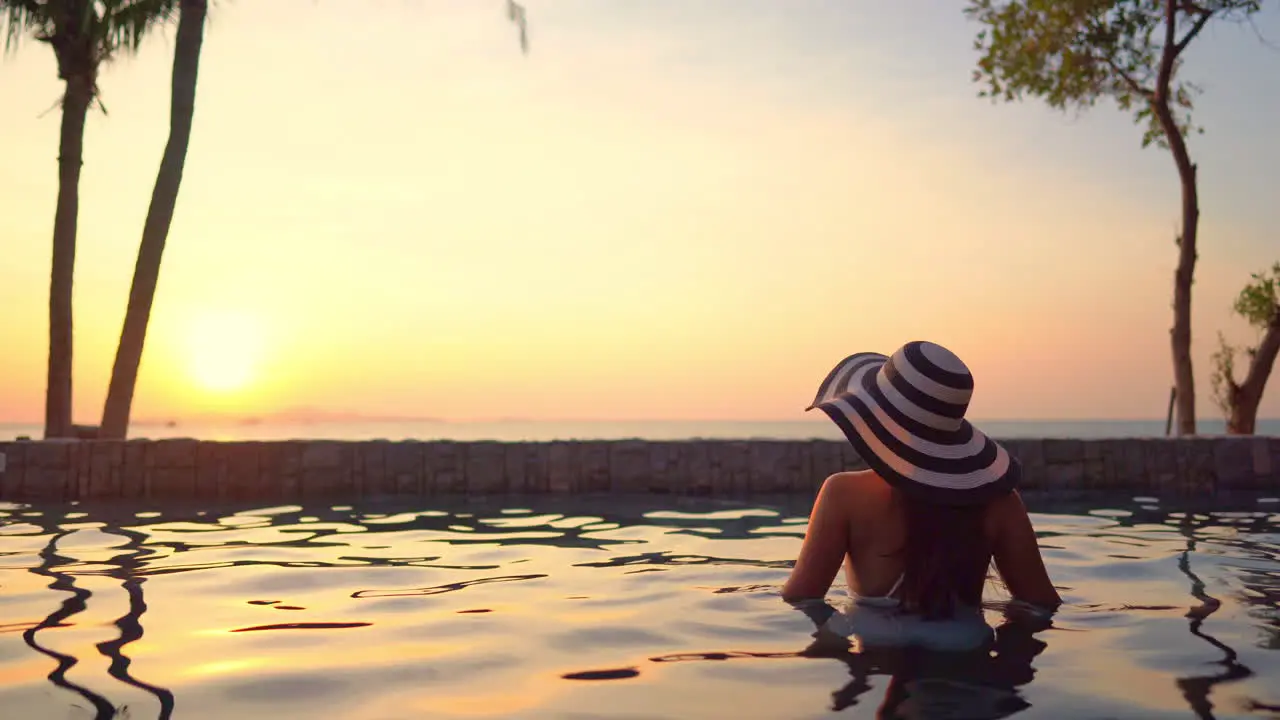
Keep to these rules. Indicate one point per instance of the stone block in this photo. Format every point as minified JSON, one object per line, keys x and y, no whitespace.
{"x":594,"y":472}
{"x":48,"y":472}
{"x":1062,"y":451}
{"x":688,"y":461}
{"x":373,"y":480}
{"x":562,"y":466}
{"x":11,"y":468}
{"x":1095,"y":474}
{"x":132,"y":475}
{"x":730,"y":467}
{"x":1263,"y":470}
{"x":485,"y":468}
{"x":1160,"y":463}
{"x":280,"y":468}
{"x":172,"y":483}
{"x":770,"y":466}
{"x":211,"y":470}
{"x":515,"y":459}
{"x":696,"y":459}
{"x":668,"y":471}
{"x":245,"y":481}
{"x":49,"y":455}
{"x":1062,"y":478}
{"x":537,"y":468}
{"x":1172,"y":465}
{"x":1035,"y":466}
{"x":326,"y":469}
{"x":1132,"y":466}
{"x":322,"y":455}
{"x":175,"y":453}
{"x":80,"y":455}
{"x":805,"y":470}
{"x":795,"y":466}
{"x":1097,"y":461}
{"x":445,"y":467}
{"x":1195,"y":462}
{"x":1115,"y":457}
{"x":826,"y":461}
{"x":629,"y":466}
{"x":106,"y":460}
{"x":404,"y":465}
{"x":1233,"y":464}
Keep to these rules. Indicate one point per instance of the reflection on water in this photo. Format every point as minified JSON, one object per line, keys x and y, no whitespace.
{"x":608,"y":608}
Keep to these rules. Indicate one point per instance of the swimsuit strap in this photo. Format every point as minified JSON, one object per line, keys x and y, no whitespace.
{"x":896,"y":585}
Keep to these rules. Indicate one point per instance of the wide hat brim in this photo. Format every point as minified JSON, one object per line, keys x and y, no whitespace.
{"x":952,"y":467}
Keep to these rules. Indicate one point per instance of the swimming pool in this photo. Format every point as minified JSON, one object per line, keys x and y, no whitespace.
{"x":627,"y":608}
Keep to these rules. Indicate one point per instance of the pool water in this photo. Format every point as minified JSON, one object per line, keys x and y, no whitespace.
{"x":574,"y":608}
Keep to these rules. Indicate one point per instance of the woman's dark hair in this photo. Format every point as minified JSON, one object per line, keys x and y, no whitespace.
{"x":945,"y":557}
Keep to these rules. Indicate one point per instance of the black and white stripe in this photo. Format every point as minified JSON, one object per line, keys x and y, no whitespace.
{"x":904,"y":415}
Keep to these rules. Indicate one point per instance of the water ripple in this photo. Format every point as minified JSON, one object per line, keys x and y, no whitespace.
{"x":304,"y":626}
{"x":438,"y":589}
{"x":640,"y":607}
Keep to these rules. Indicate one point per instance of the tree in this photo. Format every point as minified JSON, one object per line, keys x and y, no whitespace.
{"x":1259,"y":304}
{"x":83,"y":35}
{"x":1072,"y":53}
{"x":155,"y":231}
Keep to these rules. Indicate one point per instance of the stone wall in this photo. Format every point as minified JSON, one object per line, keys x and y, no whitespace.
{"x":175,"y":470}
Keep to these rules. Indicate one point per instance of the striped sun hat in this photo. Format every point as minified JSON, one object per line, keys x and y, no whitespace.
{"x":904,"y":415}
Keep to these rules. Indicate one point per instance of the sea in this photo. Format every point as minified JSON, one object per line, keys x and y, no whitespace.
{"x":535,"y":430}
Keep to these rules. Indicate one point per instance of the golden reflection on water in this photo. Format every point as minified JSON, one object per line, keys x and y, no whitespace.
{"x":610,"y":608}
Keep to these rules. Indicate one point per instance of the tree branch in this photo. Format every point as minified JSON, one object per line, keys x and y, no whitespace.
{"x":1264,"y":357}
{"x":1168,"y":55}
{"x":1128,"y":79}
{"x":1205,"y":17}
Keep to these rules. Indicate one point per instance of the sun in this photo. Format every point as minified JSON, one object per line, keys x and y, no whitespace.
{"x":224,"y":351}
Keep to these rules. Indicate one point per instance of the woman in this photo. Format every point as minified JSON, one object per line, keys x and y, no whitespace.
{"x":918,"y":530}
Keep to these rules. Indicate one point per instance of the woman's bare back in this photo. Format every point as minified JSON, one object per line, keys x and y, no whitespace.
{"x":859,"y":521}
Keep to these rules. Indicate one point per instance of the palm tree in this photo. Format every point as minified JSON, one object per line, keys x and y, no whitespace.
{"x":83,"y":35}
{"x":164,"y":197}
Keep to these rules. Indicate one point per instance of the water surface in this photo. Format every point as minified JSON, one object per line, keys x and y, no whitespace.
{"x":557,"y":607}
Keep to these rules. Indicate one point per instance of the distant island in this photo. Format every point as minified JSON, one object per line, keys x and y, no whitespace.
{"x":294,"y":416}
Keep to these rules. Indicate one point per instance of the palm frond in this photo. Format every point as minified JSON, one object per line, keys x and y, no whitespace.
{"x":21,"y":17}
{"x":125,"y":23}
{"x":107,"y":26}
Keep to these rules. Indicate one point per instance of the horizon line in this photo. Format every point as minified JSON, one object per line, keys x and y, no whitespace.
{"x":339,"y":418}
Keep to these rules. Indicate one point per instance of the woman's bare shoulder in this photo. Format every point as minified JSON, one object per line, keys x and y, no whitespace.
{"x":863,"y":491}
{"x":1005,"y":509}
{"x":865,"y":482}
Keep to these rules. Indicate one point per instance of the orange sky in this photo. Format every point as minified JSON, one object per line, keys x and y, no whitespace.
{"x":667,"y":210}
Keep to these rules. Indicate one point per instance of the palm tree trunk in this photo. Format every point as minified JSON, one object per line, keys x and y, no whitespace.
{"x":164,"y":198}
{"x":75,"y":108}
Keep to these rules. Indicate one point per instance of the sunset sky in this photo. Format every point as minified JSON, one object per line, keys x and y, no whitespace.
{"x":668,"y":209}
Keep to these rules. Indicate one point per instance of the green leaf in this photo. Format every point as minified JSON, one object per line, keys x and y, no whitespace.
{"x":1258,"y":303}
{"x":1072,"y":53}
